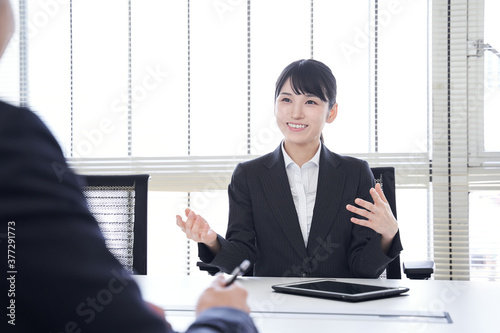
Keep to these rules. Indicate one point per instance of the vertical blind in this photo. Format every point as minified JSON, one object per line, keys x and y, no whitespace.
{"x":449,"y":153}
{"x":183,"y":91}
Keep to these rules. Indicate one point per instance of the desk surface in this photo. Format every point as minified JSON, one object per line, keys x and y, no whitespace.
{"x":471,"y":306}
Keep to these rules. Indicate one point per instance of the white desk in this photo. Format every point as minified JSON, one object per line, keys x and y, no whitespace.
{"x":472,"y":306}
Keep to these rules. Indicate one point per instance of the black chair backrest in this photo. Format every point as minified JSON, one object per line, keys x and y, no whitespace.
{"x":386,"y":177}
{"x":119,"y":204}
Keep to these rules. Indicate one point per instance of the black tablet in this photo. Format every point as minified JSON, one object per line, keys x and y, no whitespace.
{"x":343,"y":291}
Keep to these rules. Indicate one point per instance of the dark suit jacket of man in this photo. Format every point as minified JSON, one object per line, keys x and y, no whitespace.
{"x":66,"y":280}
{"x":264,"y":228}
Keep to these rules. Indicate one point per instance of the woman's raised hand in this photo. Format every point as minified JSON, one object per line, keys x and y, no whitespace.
{"x":196,"y":228}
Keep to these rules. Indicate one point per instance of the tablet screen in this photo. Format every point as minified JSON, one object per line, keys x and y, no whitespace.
{"x":338,"y":287}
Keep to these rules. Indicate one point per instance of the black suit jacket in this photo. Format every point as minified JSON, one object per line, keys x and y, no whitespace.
{"x":64,"y":279}
{"x":264,"y":228}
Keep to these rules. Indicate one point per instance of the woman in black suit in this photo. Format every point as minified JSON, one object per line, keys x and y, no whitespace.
{"x":292,"y":212}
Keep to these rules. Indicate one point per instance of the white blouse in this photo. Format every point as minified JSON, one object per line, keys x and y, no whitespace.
{"x":303,"y":184}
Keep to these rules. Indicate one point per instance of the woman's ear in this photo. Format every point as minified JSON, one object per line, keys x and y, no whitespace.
{"x":332,"y":114}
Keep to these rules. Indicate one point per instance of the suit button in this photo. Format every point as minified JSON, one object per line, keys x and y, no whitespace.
{"x":304,"y":274}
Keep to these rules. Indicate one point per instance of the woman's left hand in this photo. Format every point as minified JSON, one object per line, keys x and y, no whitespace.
{"x":378,"y":216}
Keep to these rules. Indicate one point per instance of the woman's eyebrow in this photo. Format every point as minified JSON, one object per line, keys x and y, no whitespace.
{"x":306,"y":95}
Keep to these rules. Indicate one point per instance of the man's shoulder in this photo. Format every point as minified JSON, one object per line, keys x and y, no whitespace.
{"x":12,"y":116}
{"x":7,"y":112}
{"x":7,"y":107}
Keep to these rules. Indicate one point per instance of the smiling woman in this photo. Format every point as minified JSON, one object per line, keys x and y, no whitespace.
{"x":304,"y":103}
{"x":286,"y":205}
{"x":311,"y":86}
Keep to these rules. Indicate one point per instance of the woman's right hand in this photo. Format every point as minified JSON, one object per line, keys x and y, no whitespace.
{"x":196,"y":228}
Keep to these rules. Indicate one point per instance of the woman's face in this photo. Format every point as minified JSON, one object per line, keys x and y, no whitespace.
{"x":6,"y":24}
{"x":301,"y":118}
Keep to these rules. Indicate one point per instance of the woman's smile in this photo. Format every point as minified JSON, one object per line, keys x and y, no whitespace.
{"x":296,"y":126}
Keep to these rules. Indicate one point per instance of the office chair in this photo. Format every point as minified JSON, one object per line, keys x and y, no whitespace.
{"x":413,"y":270}
{"x":119,"y":204}
{"x":386,"y":178}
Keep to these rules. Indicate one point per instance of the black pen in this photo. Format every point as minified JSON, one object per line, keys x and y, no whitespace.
{"x":239,"y":270}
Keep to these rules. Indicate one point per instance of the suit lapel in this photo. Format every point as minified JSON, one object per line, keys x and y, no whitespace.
{"x":329,"y":193}
{"x":277,"y":191}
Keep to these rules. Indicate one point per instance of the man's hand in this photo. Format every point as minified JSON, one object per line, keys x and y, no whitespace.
{"x":217,"y":295}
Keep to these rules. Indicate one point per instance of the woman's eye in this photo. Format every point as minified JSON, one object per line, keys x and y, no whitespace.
{"x":311,"y":102}
{"x":285,"y":99}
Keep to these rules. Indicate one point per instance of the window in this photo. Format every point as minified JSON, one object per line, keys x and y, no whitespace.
{"x":484,"y":148}
{"x":491,"y":76}
{"x":484,"y":231}
{"x":183,"y":90}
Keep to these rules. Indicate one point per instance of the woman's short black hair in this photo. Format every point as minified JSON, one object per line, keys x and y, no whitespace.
{"x":309,"y":76}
